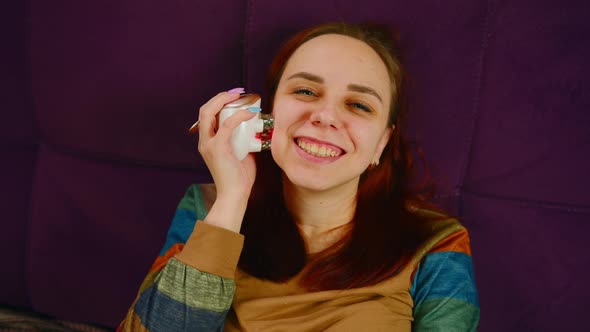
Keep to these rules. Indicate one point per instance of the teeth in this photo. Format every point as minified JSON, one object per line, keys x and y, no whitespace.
{"x":316,"y":150}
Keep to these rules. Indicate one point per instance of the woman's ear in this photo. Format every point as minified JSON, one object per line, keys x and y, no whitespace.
{"x":382,"y":143}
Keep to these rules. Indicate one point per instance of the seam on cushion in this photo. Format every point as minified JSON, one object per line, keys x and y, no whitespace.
{"x":29,"y":72}
{"x":29,"y":231}
{"x":476,"y":100}
{"x":108,"y":158}
{"x":532,"y":203}
{"x":18,"y":145}
{"x":42,"y":151}
{"x":37,"y":146}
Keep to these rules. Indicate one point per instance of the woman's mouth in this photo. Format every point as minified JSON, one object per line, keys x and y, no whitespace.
{"x":317,"y":148}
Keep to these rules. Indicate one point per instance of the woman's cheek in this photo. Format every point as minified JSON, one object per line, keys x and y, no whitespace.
{"x":278,"y":138}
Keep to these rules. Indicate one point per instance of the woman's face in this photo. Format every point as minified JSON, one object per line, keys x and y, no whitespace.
{"x":331,"y":110}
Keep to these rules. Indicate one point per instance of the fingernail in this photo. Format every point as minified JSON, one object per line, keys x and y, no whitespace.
{"x":254,"y":109}
{"x":194,"y":128}
{"x":236,"y":90}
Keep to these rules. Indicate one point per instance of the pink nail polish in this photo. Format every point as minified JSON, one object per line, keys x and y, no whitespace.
{"x":236,"y":90}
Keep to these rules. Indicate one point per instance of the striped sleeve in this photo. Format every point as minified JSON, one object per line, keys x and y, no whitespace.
{"x":443,"y":288}
{"x":190,"y":286}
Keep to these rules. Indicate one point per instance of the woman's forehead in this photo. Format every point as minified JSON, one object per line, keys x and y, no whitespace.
{"x":340,"y":59}
{"x":344,"y":47}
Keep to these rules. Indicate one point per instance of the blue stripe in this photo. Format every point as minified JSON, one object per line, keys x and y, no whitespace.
{"x":173,"y":315}
{"x":445,"y":275}
{"x":182,"y":227}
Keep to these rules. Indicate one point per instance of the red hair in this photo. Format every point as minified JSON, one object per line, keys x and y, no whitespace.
{"x":384,"y":232}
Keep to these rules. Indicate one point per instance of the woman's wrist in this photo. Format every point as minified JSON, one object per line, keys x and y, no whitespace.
{"x":227,"y":212}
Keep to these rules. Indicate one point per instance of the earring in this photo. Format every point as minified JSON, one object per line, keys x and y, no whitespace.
{"x":373,"y":164}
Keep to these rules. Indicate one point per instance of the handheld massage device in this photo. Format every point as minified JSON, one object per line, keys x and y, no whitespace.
{"x":253,"y":135}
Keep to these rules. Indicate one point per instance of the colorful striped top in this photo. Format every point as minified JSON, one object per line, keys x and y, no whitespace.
{"x":194,"y":285}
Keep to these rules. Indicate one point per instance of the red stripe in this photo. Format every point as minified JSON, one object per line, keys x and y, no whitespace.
{"x":162,"y":260}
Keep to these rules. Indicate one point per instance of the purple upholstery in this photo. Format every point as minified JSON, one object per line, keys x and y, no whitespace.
{"x":97,"y":97}
{"x":18,"y":149}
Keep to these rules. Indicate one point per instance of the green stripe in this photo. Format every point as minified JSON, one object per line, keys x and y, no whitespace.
{"x":427,"y":213}
{"x":181,"y":283}
{"x":200,"y":203}
{"x":445,"y":314}
{"x":148,"y":280}
{"x":193,"y":200}
{"x":188,"y":201}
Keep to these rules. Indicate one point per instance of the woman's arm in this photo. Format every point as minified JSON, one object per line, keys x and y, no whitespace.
{"x":190,"y":286}
{"x":443,"y":288}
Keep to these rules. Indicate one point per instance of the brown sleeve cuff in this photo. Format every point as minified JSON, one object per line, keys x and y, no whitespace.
{"x":213,"y":250}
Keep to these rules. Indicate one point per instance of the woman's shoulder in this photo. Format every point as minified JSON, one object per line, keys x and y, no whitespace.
{"x":445,"y":233}
{"x":442,"y":282}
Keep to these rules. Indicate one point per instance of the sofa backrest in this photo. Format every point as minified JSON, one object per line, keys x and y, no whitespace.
{"x":97,"y":97}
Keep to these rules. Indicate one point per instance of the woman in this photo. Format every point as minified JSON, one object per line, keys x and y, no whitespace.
{"x":333,"y":238}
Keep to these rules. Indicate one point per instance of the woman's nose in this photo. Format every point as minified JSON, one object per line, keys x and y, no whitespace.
{"x":326,"y":116}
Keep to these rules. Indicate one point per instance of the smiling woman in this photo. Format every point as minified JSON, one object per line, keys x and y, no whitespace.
{"x":333,"y":237}
{"x":335,"y":112}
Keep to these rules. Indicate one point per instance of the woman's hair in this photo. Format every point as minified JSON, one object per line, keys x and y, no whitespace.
{"x":384,"y":232}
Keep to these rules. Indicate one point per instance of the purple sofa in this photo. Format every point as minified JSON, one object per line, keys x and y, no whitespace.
{"x":97,"y":97}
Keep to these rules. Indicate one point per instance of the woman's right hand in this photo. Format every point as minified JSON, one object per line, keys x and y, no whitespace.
{"x":233,"y":178}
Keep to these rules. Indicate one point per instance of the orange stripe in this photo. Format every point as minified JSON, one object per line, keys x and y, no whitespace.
{"x":457,"y":242}
{"x":132,"y":324}
{"x":162,"y":260}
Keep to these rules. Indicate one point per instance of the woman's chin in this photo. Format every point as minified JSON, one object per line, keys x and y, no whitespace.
{"x":317,"y":183}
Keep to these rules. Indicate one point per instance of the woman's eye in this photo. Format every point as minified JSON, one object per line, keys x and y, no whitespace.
{"x":303,"y":91}
{"x":361,"y":106}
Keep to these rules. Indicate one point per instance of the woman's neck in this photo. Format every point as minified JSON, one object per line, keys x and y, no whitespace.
{"x":320,"y":215}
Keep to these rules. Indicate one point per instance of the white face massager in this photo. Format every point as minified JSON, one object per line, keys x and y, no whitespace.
{"x":253,"y":135}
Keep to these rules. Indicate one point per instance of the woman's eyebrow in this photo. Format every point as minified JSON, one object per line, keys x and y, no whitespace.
{"x":364,"y":89}
{"x":351,"y":87}
{"x":307,"y":76}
